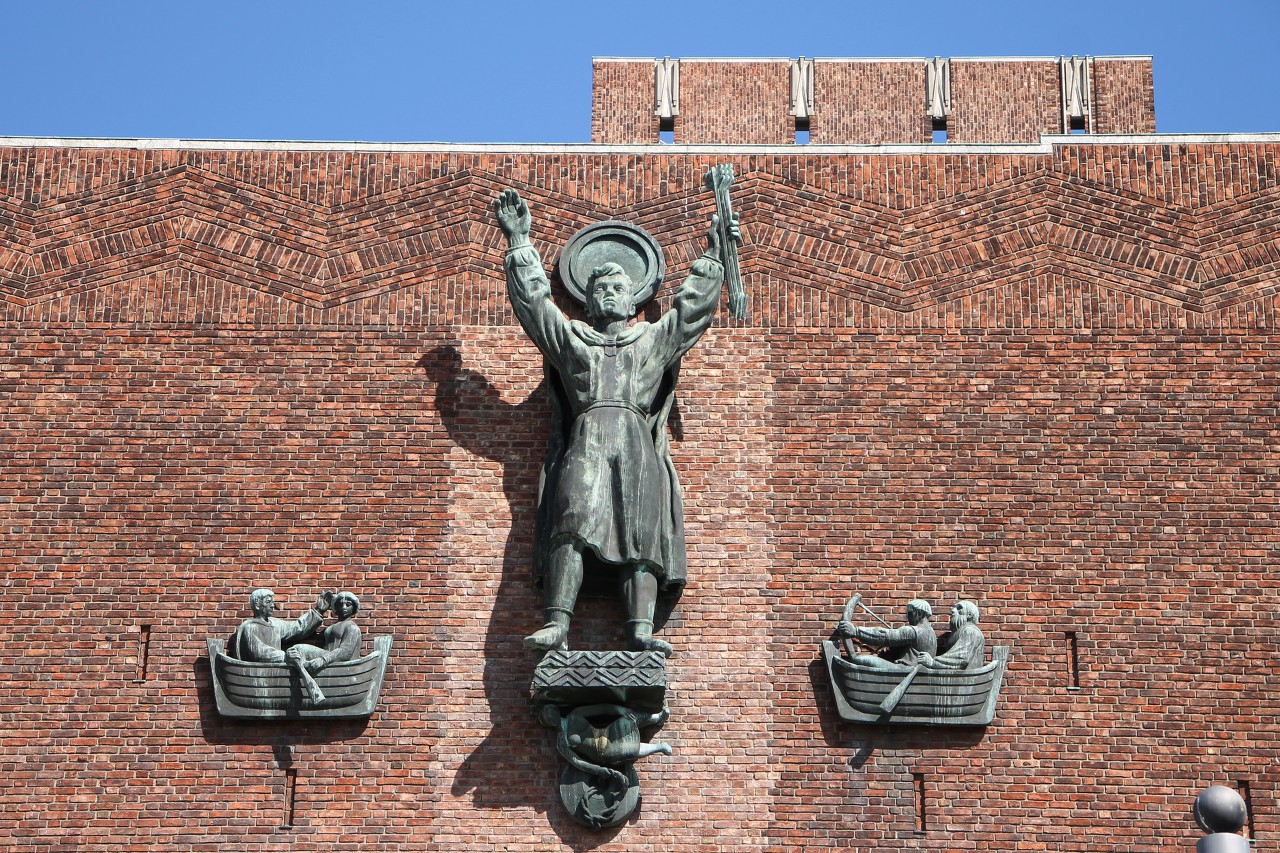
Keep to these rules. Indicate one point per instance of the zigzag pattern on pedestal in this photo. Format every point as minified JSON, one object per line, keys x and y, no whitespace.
{"x":599,"y":669}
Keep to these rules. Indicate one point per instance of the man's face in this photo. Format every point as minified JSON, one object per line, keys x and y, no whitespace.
{"x":957,"y":617}
{"x":611,"y":298}
{"x":265,"y":605}
{"x":343,"y":608}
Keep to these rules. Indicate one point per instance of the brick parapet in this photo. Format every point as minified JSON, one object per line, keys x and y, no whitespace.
{"x":734,"y":103}
{"x":1044,"y":381}
{"x":868,"y":101}
{"x":1124,"y":96}
{"x":624,"y":94}
{"x":1004,"y":101}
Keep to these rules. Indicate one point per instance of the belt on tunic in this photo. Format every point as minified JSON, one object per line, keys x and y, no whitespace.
{"x":613,"y":404}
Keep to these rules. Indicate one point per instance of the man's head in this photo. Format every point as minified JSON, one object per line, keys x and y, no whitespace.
{"x":609,"y":294}
{"x":346,"y":605}
{"x":964,"y":613}
{"x":263,"y":602}
{"x":918,"y":610}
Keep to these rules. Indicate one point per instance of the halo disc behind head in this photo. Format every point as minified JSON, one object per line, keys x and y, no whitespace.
{"x":629,"y":246}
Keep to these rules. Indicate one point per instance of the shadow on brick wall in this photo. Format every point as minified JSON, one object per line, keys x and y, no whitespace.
{"x":479,"y":421}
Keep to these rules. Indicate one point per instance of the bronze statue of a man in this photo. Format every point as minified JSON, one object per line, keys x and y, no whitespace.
{"x":902,"y":647}
{"x":965,"y":645}
{"x":264,"y":637}
{"x":609,"y":494}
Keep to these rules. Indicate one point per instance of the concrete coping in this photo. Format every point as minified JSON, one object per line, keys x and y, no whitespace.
{"x":1044,"y":146}
{"x":872,"y":59}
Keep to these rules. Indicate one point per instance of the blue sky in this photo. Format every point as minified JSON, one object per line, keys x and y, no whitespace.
{"x":505,"y":72}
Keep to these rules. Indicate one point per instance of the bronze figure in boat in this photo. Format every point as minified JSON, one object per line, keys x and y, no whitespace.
{"x":289,"y":668}
{"x":955,"y":688}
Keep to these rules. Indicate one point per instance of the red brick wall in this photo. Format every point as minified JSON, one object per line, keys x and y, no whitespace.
{"x":1004,"y":101}
{"x":1124,"y":96}
{"x":622,"y":102}
{"x":1047,"y":383}
{"x":869,"y":102}
{"x":735,"y":103}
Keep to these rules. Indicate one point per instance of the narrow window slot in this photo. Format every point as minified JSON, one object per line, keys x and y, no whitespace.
{"x":1073,"y":661}
{"x":667,"y":130}
{"x":1076,"y":124}
{"x":144,"y":653}
{"x":290,"y":797}
{"x":1242,"y":786}
{"x":939,"y":131}
{"x":922,"y":823}
{"x":802,"y":130}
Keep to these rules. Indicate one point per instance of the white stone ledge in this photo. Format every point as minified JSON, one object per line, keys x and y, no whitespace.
{"x":1160,"y":138}
{"x":868,"y":59}
{"x":1044,"y":146}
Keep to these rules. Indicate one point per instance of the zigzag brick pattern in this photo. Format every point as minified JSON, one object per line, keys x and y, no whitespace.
{"x":870,"y":241}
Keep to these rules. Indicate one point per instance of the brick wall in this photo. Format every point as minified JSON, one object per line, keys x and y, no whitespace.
{"x":1044,"y":382}
{"x":870,"y":102}
{"x":622,"y":95}
{"x":1124,"y":96}
{"x":1004,"y":101}
{"x":867,"y":101}
{"x":734,"y":103}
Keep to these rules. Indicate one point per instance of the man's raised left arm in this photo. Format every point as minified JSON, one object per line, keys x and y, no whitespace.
{"x":306,"y":624}
{"x":696,"y":301}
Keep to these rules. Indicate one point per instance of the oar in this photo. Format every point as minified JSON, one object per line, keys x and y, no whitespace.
{"x":891,"y":701}
{"x":309,"y":683}
{"x":847,"y":616}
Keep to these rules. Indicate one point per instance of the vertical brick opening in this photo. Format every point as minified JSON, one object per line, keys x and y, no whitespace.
{"x":290,"y":797}
{"x":1250,"y":832}
{"x":922,"y":821}
{"x":1073,"y":661}
{"x":144,"y":652}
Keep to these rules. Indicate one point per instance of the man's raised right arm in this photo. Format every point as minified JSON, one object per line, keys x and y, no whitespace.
{"x":527,"y":284}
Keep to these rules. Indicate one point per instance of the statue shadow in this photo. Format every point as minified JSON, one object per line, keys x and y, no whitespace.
{"x":280,"y":733}
{"x":863,"y":739}
{"x":478,"y":420}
